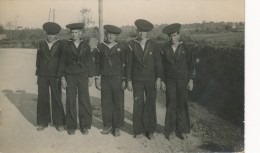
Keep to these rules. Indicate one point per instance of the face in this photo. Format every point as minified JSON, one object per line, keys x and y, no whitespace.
{"x":142,"y":35}
{"x":174,"y":38}
{"x":76,"y":33}
{"x":111,"y":37}
{"x":51,"y":37}
{"x":93,"y":42}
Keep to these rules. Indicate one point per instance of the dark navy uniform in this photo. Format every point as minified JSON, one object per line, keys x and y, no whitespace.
{"x":78,"y":66}
{"x":48,"y":71}
{"x":110,"y":63}
{"x":144,"y":66}
{"x":178,"y":69}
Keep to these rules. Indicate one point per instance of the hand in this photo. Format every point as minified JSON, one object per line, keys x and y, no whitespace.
{"x":129,"y":86}
{"x":190,"y":85}
{"x":36,"y":82}
{"x":158,"y":83}
{"x":98,"y":83}
{"x":163,"y":86}
{"x":58,"y":79}
{"x":90,"y":81}
{"x":63,"y":83}
{"x":123,"y":85}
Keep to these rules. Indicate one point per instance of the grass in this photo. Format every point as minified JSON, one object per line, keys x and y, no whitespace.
{"x":231,"y":39}
{"x":216,"y":133}
{"x":228,"y":36}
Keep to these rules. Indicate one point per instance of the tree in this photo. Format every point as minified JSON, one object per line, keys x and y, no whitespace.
{"x":1,"y":28}
{"x":86,"y":17}
{"x":9,"y":25}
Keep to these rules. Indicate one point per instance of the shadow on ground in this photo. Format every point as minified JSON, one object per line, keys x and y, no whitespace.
{"x":26,"y":103}
{"x":97,"y":116}
{"x":216,"y":147}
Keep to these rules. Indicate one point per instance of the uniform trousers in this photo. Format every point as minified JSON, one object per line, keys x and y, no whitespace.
{"x":77,"y":85}
{"x":43,"y":102}
{"x":144,"y":113}
{"x":112,"y":101}
{"x":177,"y":113}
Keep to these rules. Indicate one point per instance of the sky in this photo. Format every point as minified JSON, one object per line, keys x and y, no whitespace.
{"x":33,"y":13}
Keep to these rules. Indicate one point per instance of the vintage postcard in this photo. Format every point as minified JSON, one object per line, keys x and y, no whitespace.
{"x":122,"y":76}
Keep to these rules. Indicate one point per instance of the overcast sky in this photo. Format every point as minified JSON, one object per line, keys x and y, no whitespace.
{"x":33,"y":13}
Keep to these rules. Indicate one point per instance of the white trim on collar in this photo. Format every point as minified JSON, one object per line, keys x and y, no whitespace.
{"x":139,"y":42}
{"x":107,"y":44}
{"x":72,"y":40}
{"x":50,"y":44}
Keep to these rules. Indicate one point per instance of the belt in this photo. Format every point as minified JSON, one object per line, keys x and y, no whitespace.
{"x":111,"y":77}
{"x":74,"y":62}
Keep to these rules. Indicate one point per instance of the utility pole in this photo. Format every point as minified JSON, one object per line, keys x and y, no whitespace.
{"x":100,"y":13}
{"x":53,"y":13}
{"x":49,"y":15}
{"x":15,"y":26}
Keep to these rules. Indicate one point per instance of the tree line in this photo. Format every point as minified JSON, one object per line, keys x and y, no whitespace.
{"x":25,"y":38}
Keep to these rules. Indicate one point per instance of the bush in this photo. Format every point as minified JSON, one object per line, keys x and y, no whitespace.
{"x":220,"y":81}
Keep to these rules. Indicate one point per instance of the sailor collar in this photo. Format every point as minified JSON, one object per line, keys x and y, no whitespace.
{"x":110,"y":47}
{"x":139,"y":42}
{"x":73,"y":41}
{"x":50,"y":44}
{"x":77,"y":45}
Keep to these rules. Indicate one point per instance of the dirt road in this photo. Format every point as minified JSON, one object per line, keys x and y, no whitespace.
{"x":18,"y":134}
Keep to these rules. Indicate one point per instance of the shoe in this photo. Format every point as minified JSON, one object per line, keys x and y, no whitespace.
{"x":185,"y":135}
{"x":71,"y":132}
{"x":60,"y":128}
{"x":182,"y":136}
{"x":172,"y":135}
{"x":138,"y":136}
{"x":167,"y":136}
{"x":41,"y":127}
{"x":106,"y":130}
{"x":151,"y":136}
{"x":84,"y":131}
{"x":117,"y":132}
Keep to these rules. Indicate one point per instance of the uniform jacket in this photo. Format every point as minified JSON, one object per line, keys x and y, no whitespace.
{"x":178,"y":65}
{"x":110,"y":62}
{"x":48,"y":61}
{"x":78,"y":60}
{"x":143,"y":65}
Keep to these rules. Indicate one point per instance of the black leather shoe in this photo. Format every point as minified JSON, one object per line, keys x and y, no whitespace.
{"x":138,"y":136}
{"x":117,"y":132}
{"x":150,"y":136}
{"x":60,"y":128}
{"x":181,"y":136}
{"x":71,"y":132}
{"x":167,"y":136}
{"x":84,"y":131}
{"x":41,"y":127}
{"x":106,"y":130}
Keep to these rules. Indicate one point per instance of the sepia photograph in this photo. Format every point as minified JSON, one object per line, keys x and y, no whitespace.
{"x":122,"y":76}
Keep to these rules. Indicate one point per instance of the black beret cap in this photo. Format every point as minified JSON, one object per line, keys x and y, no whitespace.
{"x":143,"y":25}
{"x":172,"y":28}
{"x":51,"y":28}
{"x":112,"y":29}
{"x":74,"y":26}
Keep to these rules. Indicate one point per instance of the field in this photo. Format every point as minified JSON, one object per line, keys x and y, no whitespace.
{"x":230,"y":39}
